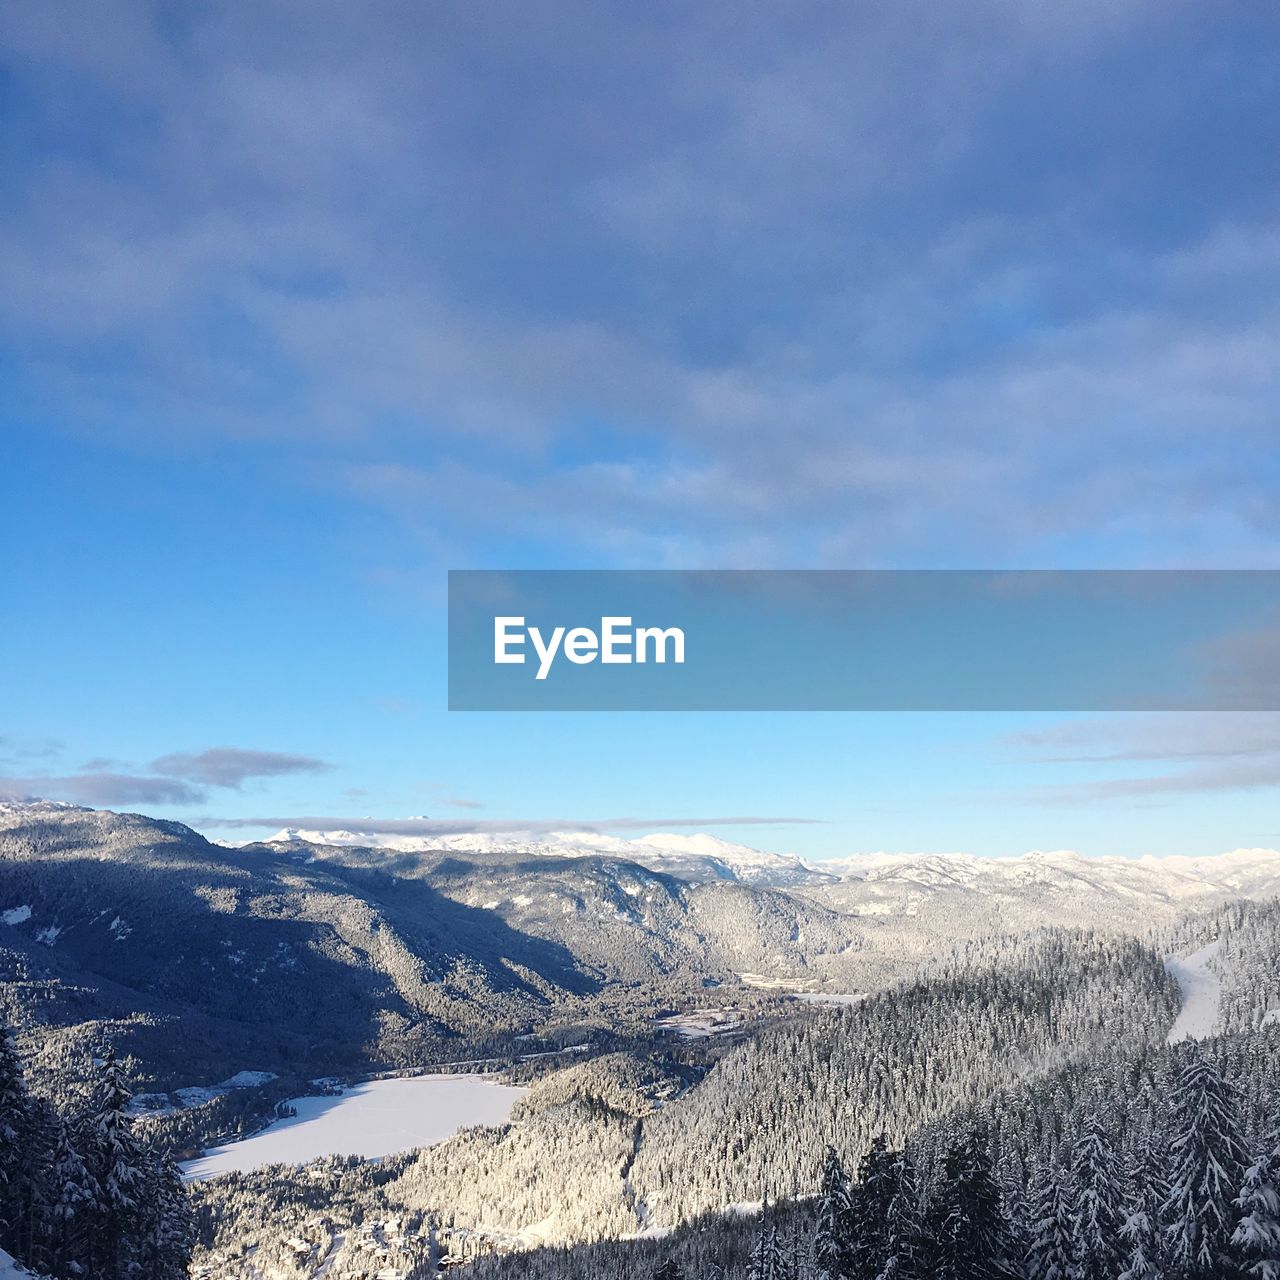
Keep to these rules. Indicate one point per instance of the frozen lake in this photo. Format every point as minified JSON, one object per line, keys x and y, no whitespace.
{"x":373,"y":1119}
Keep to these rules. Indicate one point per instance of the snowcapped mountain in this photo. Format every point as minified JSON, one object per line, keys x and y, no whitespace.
{"x":957,"y":896}
{"x":698,"y":858}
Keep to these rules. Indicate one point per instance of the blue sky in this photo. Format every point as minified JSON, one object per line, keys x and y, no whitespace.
{"x":304,"y":305}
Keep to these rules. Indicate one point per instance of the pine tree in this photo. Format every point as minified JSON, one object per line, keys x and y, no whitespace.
{"x":870,"y":1201}
{"x":1097,"y":1190}
{"x":1257,"y":1234}
{"x":904,"y":1244}
{"x":969,"y":1235}
{"x":767,"y":1261}
{"x":170,"y":1232}
{"x":669,"y":1270}
{"x":75,"y":1196}
{"x":24,"y":1142}
{"x":1051,"y":1251}
{"x":831,"y":1245}
{"x":1208,"y":1165}
{"x":1139,"y":1227}
{"x":118,"y":1165}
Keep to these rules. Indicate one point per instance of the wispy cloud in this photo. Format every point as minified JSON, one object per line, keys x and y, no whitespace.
{"x":103,"y":789}
{"x":443,"y":827}
{"x":180,"y":778}
{"x":1202,"y":753}
{"x":233,"y":766}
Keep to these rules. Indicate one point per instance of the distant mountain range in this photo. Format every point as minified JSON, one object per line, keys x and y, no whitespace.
{"x":315,"y":949}
{"x":695,"y":858}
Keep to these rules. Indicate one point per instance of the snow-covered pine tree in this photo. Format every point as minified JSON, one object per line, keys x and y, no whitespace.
{"x":870,"y":1200}
{"x":24,"y":1142}
{"x":1139,"y":1227}
{"x":119,"y":1166}
{"x":767,"y":1261}
{"x":170,"y":1231}
{"x":74,"y":1194}
{"x":831,"y":1245}
{"x":1208,"y":1164}
{"x":1051,"y":1250}
{"x":969,"y":1235}
{"x":1098,"y":1194}
{"x":668,"y":1270}
{"x":904,"y":1231}
{"x":1257,"y":1234}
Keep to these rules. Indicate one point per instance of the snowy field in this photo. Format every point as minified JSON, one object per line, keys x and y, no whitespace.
{"x":700,"y":1023}
{"x":373,"y":1119}
{"x":1201,"y":992}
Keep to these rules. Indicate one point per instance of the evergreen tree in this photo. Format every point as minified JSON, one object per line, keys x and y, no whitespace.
{"x":75,"y":1195}
{"x":969,"y":1235}
{"x":118,"y":1165}
{"x":170,"y":1232}
{"x":1208,"y":1165}
{"x":1139,"y":1226}
{"x":1257,"y":1235}
{"x":1051,"y":1251}
{"x":1098,"y":1194}
{"x":870,"y":1202}
{"x":904,"y":1232}
{"x":767,"y":1261}
{"x":669,"y":1270}
{"x":23,"y":1151}
{"x":832,"y":1251}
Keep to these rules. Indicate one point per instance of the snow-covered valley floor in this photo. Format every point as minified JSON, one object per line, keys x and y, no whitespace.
{"x":377,"y":1118}
{"x":1201,"y":992}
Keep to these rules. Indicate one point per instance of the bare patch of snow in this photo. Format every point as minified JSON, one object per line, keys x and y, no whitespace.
{"x":16,"y":915}
{"x":1201,"y":994}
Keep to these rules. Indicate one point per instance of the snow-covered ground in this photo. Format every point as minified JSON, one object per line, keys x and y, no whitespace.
{"x":373,"y":1119}
{"x":1201,"y":993}
{"x":700,"y":1023}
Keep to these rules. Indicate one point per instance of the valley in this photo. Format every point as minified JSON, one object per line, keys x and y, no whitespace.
{"x":637,"y":1038}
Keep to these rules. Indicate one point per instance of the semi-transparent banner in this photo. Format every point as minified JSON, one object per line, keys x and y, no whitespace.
{"x":962,"y":640}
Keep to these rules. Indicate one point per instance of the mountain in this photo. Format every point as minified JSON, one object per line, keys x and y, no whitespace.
{"x":1047,"y":888}
{"x":697,"y":858}
{"x":201,"y":959}
{"x":624,"y":920}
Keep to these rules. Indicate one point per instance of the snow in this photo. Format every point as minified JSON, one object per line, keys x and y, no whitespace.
{"x":373,"y":1119}
{"x":701,"y":1023}
{"x":1201,"y":992}
{"x":197,"y":1095}
{"x":16,"y":915}
{"x":831,"y":997}
{"x":11,"y":1270}
{"x":720,"y":859}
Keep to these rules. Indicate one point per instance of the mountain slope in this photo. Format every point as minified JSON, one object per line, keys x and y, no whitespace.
{"x":109,"y":916}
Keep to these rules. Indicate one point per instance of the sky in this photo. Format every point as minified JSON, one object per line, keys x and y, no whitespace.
{"x":302,"y":306}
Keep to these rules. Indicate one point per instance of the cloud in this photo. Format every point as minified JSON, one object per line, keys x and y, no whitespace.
{"x":444,"y":827}
{"x":1211,"y":752}
{"x":18,"y":751}
{"x":103,"y":789}
{"x":232,"y":766}
{"x":872,"y":284}
{"x":1163,"y":736}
